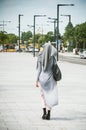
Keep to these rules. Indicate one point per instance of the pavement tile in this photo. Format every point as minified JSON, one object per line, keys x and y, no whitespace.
{"x":20,"y":102}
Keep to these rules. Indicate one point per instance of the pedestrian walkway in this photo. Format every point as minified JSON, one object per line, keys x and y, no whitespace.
{"x":20,"y":101}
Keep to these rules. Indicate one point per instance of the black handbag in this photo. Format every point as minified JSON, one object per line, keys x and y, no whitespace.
{"x":57,"y":75}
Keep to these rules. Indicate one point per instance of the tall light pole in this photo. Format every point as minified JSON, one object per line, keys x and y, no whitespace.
{"x":34,"y":32}
{"x":54,"y":21}
{"x":19,"y":29}
{"x":69,"y":16}
{"x":31,"y":26}
{"x":58,"y":5}
{"x":42,"y":29}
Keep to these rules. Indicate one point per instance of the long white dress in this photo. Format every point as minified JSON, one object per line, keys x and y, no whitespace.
{"x":47,"y":83}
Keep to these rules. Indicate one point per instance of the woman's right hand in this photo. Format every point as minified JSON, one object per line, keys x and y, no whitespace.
{"x":37,"y":84}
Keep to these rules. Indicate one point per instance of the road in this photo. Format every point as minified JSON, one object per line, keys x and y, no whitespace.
{"x":75,"y":60}
{"x":71,"y":58}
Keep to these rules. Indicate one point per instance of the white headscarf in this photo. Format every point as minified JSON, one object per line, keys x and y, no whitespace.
{"x":48,"y":52}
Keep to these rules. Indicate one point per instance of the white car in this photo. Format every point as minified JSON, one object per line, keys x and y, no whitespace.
{"x":31,"y":49}
{"x":82,"y":54}
{"x":36,"y":50}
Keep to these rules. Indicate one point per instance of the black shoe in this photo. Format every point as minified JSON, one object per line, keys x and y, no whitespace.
{"x":44,"y":116}
{"x":44,"y":113}
{"x":48,"y":115}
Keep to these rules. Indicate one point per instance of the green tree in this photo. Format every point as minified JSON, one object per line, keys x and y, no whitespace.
{"x":12,"y":38}
{"x":37,"y":36}
{"x":49,"y":36}
{"x":41,"y":40}
{"x":80,"y":35}
{"x":26,"y":36}
{"x":3,"y":38}
{"x":69,"y":36}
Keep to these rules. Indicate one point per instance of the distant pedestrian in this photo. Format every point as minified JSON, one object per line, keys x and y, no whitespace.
{"x":49,"y":90}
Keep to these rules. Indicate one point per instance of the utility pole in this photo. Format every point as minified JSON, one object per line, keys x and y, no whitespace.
{"x":69,"y":16}
{"x":34,"y":19}
{"x":19,"y":29}
{"x":54,"y":21}
{"x":3,"y":23}
{"x":59,"y":5}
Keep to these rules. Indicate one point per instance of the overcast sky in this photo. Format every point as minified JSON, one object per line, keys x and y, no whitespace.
{"x":10,"y":9}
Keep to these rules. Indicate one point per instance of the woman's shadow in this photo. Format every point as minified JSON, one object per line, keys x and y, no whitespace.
{"x":62,"y":118}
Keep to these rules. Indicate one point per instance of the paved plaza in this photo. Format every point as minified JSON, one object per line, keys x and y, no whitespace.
{"x":20,"y":101}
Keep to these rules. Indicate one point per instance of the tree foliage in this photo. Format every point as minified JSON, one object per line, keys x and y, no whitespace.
{"x":12,"y":38}
{"x":8,"y":38}
{"x":26,"y":35}
{"x":80,"y":35}
{"x":76,"y":36}
{"x":68,"y":35}
{"x":41,"y":39}
{"x":3,"y":37}
{"x":49,"y":36}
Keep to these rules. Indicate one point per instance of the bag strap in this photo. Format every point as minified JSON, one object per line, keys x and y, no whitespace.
{"x":54,"y":60}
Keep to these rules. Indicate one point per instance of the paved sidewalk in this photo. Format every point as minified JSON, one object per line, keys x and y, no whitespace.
{"x":69,"y":54}
{"x":20,"y":102}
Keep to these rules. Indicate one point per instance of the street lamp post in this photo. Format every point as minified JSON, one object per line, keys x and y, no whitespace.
{"x":34,"y":32}
{"x":58,"y":5}
{"x":54,"y":21}
{"x":19,"y":29}
{"x":42,"y":29}
{"x":67,"y":16}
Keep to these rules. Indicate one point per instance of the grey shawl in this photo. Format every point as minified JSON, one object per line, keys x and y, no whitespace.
{"x":45,"y":76}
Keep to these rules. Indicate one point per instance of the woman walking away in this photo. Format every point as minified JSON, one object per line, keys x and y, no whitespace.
{"x":48,"y":85}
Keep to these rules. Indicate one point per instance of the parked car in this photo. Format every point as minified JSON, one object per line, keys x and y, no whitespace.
{"x":82,"y":54}
{"x":1,"y":48}
{"x":36,"y":50}
{"x":31,"y":49}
